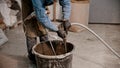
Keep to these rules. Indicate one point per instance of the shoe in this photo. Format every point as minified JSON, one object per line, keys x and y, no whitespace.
{"x":32,"y":59}
{"x":74,"y":28}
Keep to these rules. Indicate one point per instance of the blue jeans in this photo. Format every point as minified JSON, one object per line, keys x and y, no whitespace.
{"x":48,"y":2}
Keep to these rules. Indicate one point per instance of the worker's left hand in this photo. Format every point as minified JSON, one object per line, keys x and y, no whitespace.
{"x":66,"y":25}
{"x":61,"y":33}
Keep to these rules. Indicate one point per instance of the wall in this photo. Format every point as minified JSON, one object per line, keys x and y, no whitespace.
{"x":104,"y":11}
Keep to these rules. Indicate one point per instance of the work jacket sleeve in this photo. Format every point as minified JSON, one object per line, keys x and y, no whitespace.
{"x":42,"y":16}
{"x":66,"y":8}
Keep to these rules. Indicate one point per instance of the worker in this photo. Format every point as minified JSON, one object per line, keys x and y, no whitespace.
{"x":34,"y":25}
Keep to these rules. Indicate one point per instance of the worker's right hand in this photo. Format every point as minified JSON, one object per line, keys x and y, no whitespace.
{"x":61,"y":33}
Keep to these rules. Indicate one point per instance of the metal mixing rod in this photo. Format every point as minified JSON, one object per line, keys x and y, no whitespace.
{"x":64,"y":42}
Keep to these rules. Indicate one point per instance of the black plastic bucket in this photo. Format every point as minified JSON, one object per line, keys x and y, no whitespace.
{"x":45,"y":57}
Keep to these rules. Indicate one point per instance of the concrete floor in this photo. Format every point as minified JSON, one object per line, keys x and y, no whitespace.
{"x":89,"y":51}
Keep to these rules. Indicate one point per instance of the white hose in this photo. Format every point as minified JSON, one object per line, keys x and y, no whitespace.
{"x":107,"y":45}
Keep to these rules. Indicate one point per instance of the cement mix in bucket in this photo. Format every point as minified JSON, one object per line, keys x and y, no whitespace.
{"x":46,"y":49}
{"x":46,"y":58}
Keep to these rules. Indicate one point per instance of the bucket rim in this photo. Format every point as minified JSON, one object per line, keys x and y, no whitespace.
{"x":51,"y":56}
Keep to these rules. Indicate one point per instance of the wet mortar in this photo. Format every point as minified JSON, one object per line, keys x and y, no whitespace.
{"x":46,"y":49}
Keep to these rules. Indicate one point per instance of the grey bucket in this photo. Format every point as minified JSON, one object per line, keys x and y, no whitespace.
{"x":60,"y":60}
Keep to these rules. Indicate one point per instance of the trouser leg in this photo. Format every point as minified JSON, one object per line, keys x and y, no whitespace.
{"x":31,"y":41}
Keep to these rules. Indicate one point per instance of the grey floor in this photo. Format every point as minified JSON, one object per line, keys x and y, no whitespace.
{"x":89,"y":51}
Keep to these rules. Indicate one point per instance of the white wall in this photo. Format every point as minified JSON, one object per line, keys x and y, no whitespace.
{"x":104,"y":11}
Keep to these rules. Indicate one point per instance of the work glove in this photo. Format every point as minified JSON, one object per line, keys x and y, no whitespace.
{"x":66,"y":25}
{"x":61,"y":33}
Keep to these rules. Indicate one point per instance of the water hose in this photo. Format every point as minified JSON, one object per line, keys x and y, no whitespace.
{"x":96,"y":35}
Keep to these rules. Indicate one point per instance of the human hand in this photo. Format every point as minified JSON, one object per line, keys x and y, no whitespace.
{"x":61,"y":33}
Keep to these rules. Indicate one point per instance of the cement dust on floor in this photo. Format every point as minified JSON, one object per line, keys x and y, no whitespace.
{"x":89,"y":51}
